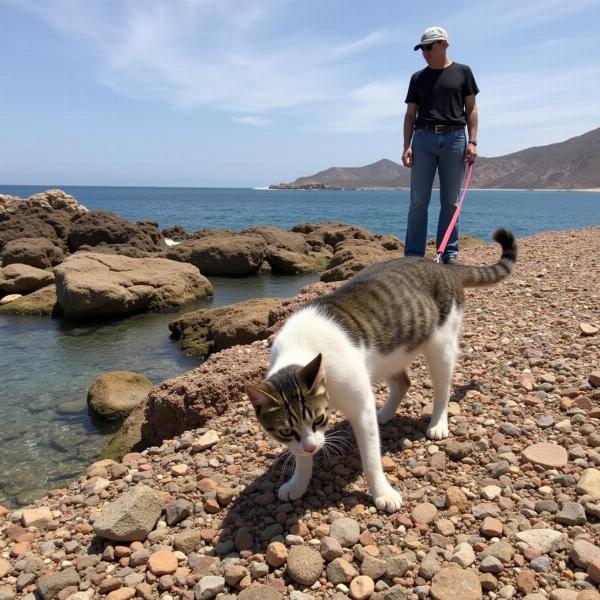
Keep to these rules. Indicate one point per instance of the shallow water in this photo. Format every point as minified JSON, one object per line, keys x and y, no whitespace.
{"x":47,"y":437}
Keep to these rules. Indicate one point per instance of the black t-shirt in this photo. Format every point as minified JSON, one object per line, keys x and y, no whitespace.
{"x":440,"y":94}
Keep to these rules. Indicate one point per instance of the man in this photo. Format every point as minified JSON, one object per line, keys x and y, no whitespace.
{"x":440,"y":103}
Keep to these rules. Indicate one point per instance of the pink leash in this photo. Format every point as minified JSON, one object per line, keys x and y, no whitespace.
{"x":440,"y":250}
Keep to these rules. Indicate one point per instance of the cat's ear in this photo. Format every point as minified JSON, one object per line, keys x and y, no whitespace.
{"x":259,"y":396}
{"x":313,"y":376}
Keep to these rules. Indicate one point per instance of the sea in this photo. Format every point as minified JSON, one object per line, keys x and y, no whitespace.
{"x":47,"y":437}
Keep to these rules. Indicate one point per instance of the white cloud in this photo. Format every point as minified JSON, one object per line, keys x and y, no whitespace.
{"x":223,"y":54}
{"x":374,"y":106}
{"x":254,"y":120}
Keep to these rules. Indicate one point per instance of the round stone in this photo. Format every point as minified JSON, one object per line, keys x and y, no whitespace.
{"x":424,"y":513}
{"x":162,"y":562}
{"x":454,"y":583}
{"x":304,"y":565}
{"x":362,"y":587}
{"x":550,"y":456}
{"x":594,"y":571}
{"x":346,"y":531}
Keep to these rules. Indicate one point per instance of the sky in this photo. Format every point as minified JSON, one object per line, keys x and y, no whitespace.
{"x":244,"y":93}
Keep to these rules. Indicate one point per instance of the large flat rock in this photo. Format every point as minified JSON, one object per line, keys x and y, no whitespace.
{"x":92,"y":285}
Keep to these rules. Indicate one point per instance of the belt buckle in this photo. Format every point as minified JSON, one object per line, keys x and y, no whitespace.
{"x":441,"y":130}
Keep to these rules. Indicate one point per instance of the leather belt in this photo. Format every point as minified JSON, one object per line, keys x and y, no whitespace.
{"x":441,"y":128}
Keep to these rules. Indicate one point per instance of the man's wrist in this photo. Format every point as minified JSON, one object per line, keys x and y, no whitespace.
{"x":474,"y":142}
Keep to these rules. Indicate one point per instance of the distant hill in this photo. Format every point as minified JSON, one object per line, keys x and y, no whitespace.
{"x":572,"y":164}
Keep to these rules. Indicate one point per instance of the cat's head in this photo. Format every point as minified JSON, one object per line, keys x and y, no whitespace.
{"x":293,"y":407}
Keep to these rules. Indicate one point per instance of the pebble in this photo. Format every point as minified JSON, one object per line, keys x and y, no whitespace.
{"x":571,"y":513}
{"x":330,"y":548}
{"x":340,"y":571}
{"x":589,"y":483}
{"x":584,"y":553}
{"x":361,"y":587}
{"x":454,"y":583}
{"x":424,"y":513}
{"x":304,"y":565}
{"x":162,"y":562}
{"x":346,"y":531}
{"x":464,"y":555}
{"x":551,"y":456}
{"x":208,"y":587}
{"x":546,"y":540}
{"x":277,"y":554}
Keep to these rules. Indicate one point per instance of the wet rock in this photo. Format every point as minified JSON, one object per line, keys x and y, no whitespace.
{"x":112,"y":396}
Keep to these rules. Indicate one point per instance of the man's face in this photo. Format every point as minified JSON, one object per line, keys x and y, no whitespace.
{"x":432,"y":53}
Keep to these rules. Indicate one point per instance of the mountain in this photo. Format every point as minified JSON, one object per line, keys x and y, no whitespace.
{"x":572,"y":164}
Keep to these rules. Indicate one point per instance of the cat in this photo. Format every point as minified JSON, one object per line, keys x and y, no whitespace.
{"x":331,"y":350}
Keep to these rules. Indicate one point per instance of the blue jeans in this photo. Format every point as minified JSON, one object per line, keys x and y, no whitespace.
{"x":446,"y":153}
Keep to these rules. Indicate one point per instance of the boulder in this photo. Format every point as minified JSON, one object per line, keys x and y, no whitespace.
{"x":211,"y":330}
{"x":330,"y":233}
{"x":177,"y":233}
{"x":276,"y":237}
{"x":35,"y":252}
{"x":352,"y":257}
{"x":293,"y":263}
{"x":39,"y":224}
{"x":129,"y":437}
{"x":22,"y":279}
{"x":100,"y":285}
{"x":108,"y":229}
{"x":223,"y":253}
{"x":56,"y":199}
{"x":39,"y":303}
{"x":131,"y":517}
{"x":114,"y":395}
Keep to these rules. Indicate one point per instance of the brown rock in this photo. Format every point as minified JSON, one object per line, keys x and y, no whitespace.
{"x":304,"y":565}
{"x":124,"y":593}
{"x":491,"y":527}
{"x":361,"y":587}
{"x":455,"y":497}
{"x":162,"y":562}
{"x":424,"y":513}
{"x":594,"y":571}
{"x":23,"y":279}
{"x":525,"y":581}
{"x":594,"y":378}
{"x":551,"y":456}
{"x":112,"y":396}
{"x":36,"y":517}
{"x":587,"y":329}
{"x":41,"y":253}
{"x":5,"y":567}
{"x":94,"y":285}
{"x":454,"y":583}
{"x":276,"y":554}
{"x":211,"y":330}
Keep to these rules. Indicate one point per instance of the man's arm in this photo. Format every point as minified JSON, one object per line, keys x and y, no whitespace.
{"x":472,"y":126}
{"x":409,"y":125}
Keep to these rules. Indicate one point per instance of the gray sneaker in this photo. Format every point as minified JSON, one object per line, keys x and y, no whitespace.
{"x":450,"y":260}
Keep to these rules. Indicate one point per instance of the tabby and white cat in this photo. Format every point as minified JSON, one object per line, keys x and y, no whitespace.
{"x":330,"y":351}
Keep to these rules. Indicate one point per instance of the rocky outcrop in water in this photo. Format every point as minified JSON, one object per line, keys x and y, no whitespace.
{"x":112,"y":396}
{"x":92,"y":285}
{"x":211,"y":330}
{"x":35,"y":252}
{"x":222,"y":253}
{"x":23,"y":279}
{"x":42,"y":302}
{"x":104,"y":228}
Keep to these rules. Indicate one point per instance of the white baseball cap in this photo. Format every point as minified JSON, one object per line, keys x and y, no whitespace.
{"x":432,"y":34}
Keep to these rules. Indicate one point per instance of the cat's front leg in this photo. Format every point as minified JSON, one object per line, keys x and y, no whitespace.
{"x":366,"y":431}
{"x":298,"y":484}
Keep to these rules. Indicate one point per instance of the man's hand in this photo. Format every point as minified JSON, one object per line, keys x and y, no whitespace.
{"x":407,"y":158}
{"x":470,"y":154}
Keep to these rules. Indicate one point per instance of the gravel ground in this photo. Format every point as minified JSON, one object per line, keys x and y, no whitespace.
{"x":487,"y":512}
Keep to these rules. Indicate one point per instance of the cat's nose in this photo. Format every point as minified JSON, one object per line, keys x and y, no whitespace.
{"x":309,"y":447}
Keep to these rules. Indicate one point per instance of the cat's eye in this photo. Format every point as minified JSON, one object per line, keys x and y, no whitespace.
{"x":286,"y":432}
{"x":319,"y":420}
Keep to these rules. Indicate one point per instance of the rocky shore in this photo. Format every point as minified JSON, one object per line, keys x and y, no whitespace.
{"x":507,"y":507}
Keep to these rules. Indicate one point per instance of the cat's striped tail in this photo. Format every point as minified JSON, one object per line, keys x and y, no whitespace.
{"x":481,"y":276}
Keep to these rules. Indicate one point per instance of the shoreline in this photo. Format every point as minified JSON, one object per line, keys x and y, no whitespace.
{"x":519,"y":382}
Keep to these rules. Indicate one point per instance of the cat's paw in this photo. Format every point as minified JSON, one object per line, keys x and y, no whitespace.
{"x":390,"y":500}
{"x":384,"y":416}
{"x":291,"y":490}
{"x":438,"y":432}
